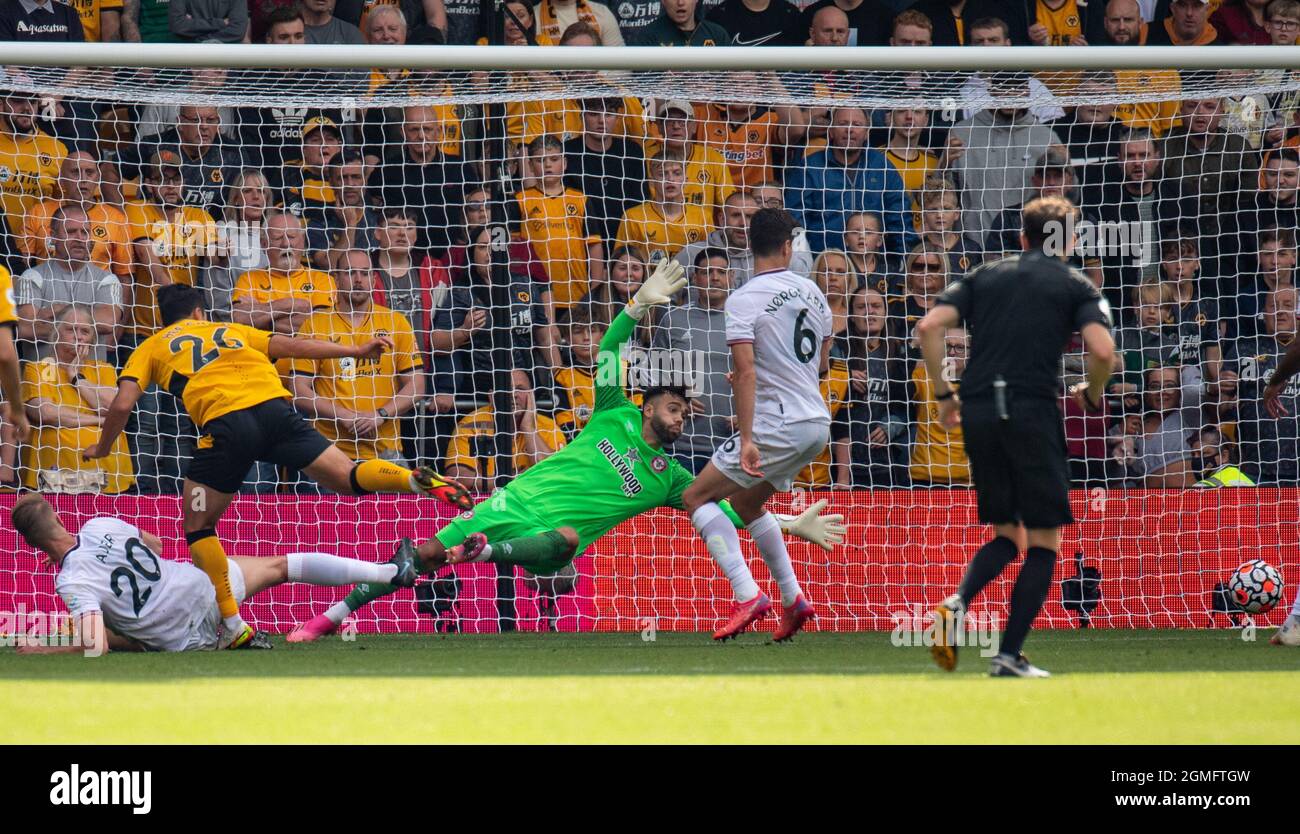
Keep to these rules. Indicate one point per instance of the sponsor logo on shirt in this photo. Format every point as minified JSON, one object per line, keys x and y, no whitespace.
{"x":200,"y":196}
{"x":631,"y":486}
{"x":637,"y":14}
{"x":41,"y":28}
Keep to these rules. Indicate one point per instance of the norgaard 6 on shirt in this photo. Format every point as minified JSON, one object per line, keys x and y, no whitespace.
{"x":786,"y":317}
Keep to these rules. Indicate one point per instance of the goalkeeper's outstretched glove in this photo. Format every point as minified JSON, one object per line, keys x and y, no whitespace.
{"x":666,"y":281}
{"x":822,"y":530}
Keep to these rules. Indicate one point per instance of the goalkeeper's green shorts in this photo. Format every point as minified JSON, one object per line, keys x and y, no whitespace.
{"x":500,"y":517}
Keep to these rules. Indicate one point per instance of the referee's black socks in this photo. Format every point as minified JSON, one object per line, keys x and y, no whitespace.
{"x":1027,"y":597}
{"x":984,"y":568}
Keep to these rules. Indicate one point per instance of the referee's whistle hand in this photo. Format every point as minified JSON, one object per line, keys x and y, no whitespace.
{"x":1081,"y":398}
{"x":950,"y":412}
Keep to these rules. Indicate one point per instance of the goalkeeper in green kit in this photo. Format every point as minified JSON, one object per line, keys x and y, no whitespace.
{"x":615,"y":469}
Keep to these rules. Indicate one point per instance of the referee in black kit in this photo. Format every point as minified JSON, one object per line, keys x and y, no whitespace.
{"x":1021,"y":312}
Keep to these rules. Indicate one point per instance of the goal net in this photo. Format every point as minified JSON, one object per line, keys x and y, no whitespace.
{"x":492,"y":222}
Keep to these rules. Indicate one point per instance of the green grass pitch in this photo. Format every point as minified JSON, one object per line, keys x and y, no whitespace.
{"x":1109,"y":686}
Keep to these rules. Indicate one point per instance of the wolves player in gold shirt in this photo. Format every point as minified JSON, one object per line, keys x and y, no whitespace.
{"x":224,"y":375}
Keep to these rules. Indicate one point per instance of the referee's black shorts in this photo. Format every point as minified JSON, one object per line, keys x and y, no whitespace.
{"x":271,"y":431}
{"x":1019,"y":466}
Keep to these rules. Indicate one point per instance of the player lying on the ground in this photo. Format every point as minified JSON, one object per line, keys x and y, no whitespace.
{"x":614,"y":470}
{"x":224,"y":374}
{"x":122,"y":595}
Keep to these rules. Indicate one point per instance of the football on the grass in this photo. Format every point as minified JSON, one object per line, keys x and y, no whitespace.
{"x":1256,"y":586}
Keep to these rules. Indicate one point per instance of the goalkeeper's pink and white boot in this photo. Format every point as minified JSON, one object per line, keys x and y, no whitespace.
{"x":793,"y":618}
{"x":467,"y":551}
{"x":312,"y":630}
{"x":744,"y":615}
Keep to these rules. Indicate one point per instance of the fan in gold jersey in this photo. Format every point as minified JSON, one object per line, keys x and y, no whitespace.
{"x":14,"y":413}
{"x":225,"y":376}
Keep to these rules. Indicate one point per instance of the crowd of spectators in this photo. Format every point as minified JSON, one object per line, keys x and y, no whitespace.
{"x":495,"y":242}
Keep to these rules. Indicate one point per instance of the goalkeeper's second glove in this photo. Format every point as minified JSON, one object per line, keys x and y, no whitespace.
{"x":666,"y":281}
{"x":822,"y":530}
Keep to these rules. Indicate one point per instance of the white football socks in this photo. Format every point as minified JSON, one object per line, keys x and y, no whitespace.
{"x":338,"y":612}
{"x":328,"y":569}
{"x":723,"y":542}
{"x":766,"y":531}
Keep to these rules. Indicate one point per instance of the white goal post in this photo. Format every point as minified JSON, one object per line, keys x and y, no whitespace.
{"x":648,"y":58}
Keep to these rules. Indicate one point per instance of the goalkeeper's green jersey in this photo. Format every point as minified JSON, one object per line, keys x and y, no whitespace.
{"x":608,"y":474}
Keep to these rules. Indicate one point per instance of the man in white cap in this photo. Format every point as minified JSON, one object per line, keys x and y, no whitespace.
{"x":708,"y":178}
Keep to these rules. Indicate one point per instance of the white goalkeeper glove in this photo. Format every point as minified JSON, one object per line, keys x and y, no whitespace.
{"x":666,"y":281}
{"x":822,"y":530}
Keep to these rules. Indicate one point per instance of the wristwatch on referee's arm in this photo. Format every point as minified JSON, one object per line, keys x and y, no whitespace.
{"x":383,"y":412}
